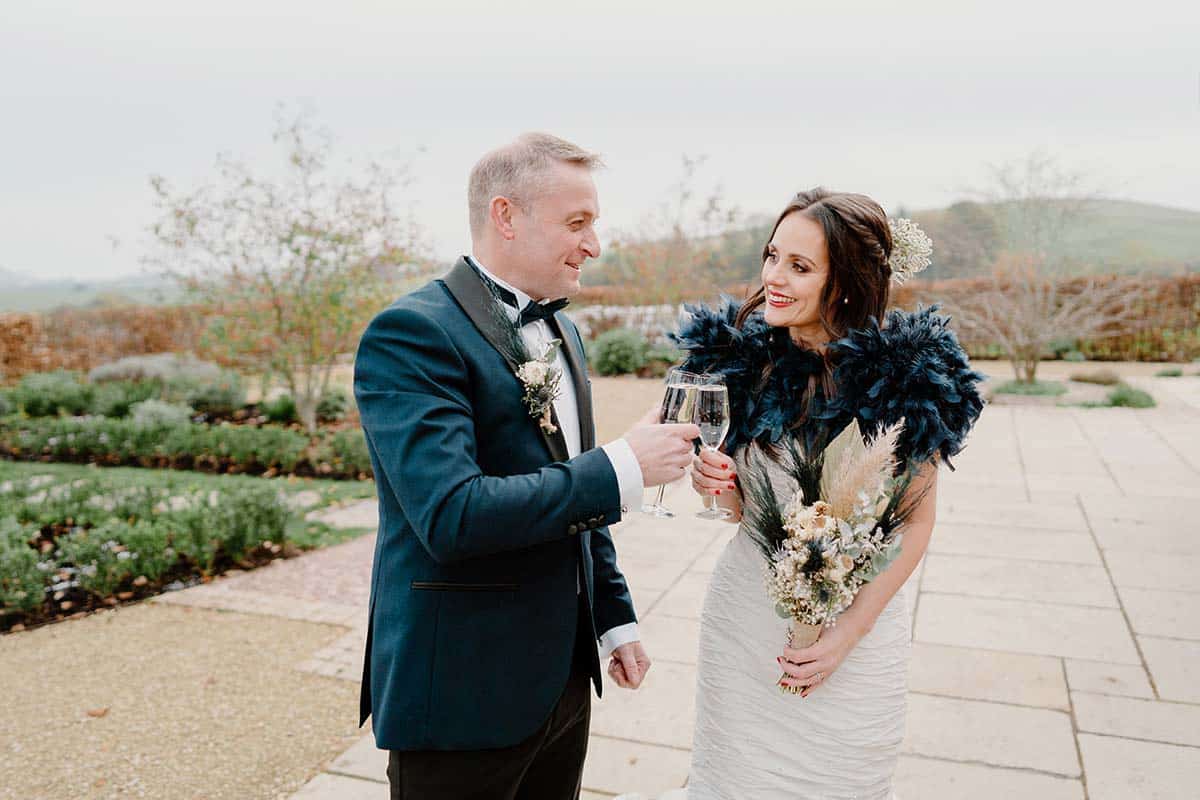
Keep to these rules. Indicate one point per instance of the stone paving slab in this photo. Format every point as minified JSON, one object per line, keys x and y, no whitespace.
{"x":920,"y":778}
{"x":1159,"y":613}
{"x":1155,"y":570}
{"x":1175,"y":667}
{"x":661,"y":712}
{"x":988,"y":675}
{"x":338,"y":787}
{"x":1017,"y":578}
{"x":614,"y":765}
{"x":674,"y":638}
{"x":1034,"y":516}
{"x":1118,"y":679}
{"x":1122,"y":769}
{"x":1067,"y":547}
{"x":1151,"y":720}
{"x":1096,"y":634}
{"x":686,"y":597}
{"x":991,"y":733}
{"x":363,"y":760}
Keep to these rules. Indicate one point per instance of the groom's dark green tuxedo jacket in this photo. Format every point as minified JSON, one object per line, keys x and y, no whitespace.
{"x":489,"y":537}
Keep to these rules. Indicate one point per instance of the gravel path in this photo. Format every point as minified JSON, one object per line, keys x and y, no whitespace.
{"x":185,"y":703}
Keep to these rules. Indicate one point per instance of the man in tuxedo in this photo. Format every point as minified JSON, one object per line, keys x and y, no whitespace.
{"x":495,"y":577}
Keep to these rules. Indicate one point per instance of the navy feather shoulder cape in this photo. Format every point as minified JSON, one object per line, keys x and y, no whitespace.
{"x":911,"y":367}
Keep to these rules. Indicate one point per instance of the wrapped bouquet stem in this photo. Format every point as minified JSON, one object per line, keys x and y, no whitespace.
{"x":837,"y":532}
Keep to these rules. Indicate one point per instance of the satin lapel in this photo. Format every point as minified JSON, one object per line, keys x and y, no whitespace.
{"x":583,"y":394}
{"x":475,"y":299}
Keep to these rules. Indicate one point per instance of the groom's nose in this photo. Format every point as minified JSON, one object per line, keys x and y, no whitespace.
{"x":591,"y":243}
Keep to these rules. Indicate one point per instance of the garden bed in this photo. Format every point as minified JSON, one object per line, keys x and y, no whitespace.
{"x":74,"y":540}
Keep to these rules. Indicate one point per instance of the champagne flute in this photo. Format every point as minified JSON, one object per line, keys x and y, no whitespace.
{"x":711,"y":415}
{"x":677,"y":406}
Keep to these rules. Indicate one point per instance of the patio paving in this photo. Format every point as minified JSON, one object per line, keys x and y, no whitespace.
{"x":1056,"y":620}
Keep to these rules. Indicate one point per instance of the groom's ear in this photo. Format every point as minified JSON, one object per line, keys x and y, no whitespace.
{"x":502,"y":210}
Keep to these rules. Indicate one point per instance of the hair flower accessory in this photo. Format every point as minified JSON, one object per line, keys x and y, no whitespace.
{"x":911,"y":249}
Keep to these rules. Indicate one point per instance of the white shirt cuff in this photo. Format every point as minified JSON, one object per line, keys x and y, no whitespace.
{"x":622,"y":634}
{"x":629,"y":473}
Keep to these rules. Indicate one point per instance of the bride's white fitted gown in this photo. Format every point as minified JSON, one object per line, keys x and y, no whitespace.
{"x":752,"y":741}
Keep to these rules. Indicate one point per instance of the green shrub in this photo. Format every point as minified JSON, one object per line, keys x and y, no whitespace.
{"x":48,"y":394}
{"x":22,"y":583}
{"x":222,"y":395}
{"x":6,"y":406}
{"x":100,"y":561}
{"x":619,"y":352}
{"x":116,"y":398}
{"x":1169,"y":372}
{"x":1103,"y":377}
{"x":282,"y":409}
{"x":159,"y":413}
{"x":149,"y":542}
{"x":1126,"y":396}
{"x":1037,"y":388}
{"x":345,"y":452}
{"x":333,"y":406}
{"x":1074,"y":355}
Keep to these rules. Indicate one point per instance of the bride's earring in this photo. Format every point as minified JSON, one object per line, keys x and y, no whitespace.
{"x":845,"y":301}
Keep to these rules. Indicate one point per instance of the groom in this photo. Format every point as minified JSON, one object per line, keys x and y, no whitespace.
{"x":495,"y":576}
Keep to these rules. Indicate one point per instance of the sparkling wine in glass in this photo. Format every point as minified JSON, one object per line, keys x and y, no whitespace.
{"x":678,"y":406}
{"x":711,"y":414}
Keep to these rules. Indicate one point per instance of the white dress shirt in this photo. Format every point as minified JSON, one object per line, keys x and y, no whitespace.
{"x":537,"y":336}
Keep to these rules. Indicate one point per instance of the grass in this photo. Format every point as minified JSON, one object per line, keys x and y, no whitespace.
{"x":304,"y":533}
{"x":1037,"y":388}
{"x":1169,"y":372}
{"x":1123,"y":396}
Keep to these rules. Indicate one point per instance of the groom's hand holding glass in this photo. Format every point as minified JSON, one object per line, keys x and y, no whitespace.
{"x":663,"y":450}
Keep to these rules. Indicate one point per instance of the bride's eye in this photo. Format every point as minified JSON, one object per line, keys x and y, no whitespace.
{"x":770,"y":255}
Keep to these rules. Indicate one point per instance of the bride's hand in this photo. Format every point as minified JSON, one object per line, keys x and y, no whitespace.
{"x":713,"y":474}
{"x":810,"y":666}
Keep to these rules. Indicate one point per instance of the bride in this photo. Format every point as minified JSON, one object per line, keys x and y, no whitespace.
{"x":805,"y":350}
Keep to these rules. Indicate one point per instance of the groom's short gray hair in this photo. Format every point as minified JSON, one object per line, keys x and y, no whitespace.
{"x":512,"y":171}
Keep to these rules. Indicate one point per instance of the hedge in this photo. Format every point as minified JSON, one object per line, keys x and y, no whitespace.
{"x":209,"y":448}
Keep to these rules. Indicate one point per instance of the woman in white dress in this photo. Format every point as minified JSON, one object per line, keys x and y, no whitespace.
{"x":805,"y":351}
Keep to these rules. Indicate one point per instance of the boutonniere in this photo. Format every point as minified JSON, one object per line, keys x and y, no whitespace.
{"x":541,"y":377}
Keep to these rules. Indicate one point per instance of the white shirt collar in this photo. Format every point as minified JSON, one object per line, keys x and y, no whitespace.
{"x":522,"y":298}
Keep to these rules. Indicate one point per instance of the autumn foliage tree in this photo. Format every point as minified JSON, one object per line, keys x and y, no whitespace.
{"x":289,"y":269}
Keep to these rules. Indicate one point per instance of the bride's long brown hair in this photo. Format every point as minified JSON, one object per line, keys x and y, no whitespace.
{"x":859,"y":243}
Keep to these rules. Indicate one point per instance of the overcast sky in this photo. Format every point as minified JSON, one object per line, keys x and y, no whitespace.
{"x":906,"y":102}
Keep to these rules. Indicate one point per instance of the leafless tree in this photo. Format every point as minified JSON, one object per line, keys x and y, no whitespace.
{"x":289,"y":270}
{"x":1029,"y":300}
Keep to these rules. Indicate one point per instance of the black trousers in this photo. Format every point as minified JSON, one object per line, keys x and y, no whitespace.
{"x":546,"y":766}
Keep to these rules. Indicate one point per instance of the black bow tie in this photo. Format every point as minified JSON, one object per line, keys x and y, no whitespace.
{"x":533,"y":311}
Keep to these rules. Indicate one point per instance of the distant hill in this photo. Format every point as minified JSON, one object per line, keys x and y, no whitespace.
{"x":1113,"y":236}
{"x":21,"y":292}
{"x":1109,"y":236}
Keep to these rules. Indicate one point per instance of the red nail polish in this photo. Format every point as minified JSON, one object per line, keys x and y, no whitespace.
{"x":718,"y":491}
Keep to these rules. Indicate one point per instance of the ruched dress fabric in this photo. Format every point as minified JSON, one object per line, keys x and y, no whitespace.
{"x":755,"y":742}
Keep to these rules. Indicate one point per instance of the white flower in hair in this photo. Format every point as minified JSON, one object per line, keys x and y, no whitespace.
{"x":911,"y":249}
